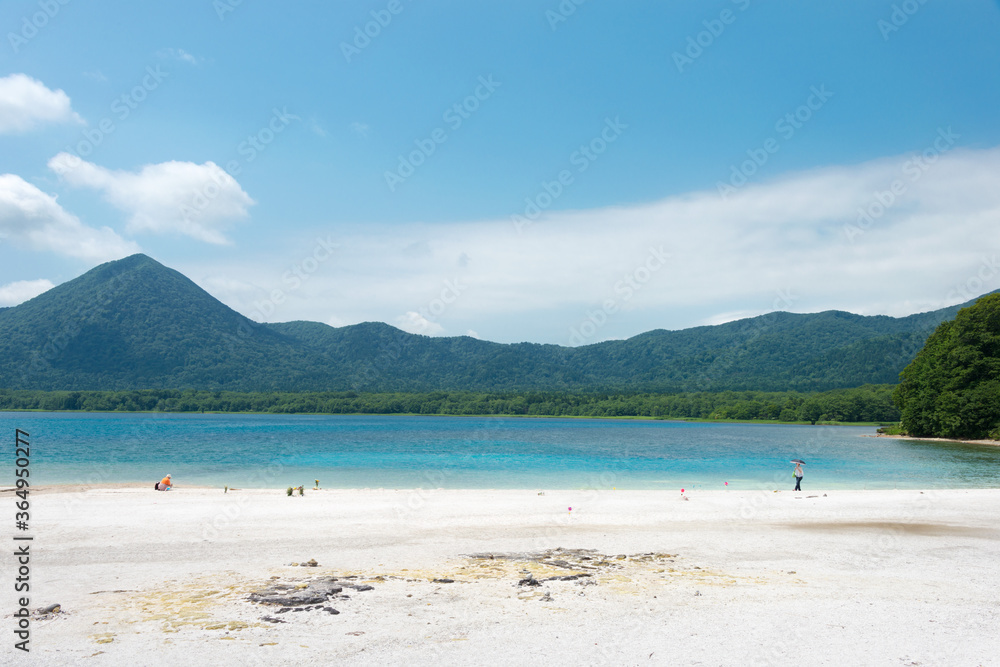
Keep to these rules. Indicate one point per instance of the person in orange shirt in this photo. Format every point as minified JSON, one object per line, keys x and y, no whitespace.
{"x":164,"y":484}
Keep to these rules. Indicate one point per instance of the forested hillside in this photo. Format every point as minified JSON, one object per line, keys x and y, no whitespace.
{"x":864,"y":404}
{"x":135,"y":324}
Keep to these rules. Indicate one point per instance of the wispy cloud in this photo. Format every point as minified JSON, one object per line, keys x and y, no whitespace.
{"x":360,"y":129}
{"x":728,"y":258}
{"x":196,"y":200}
{"x":25,"y":103}
{"x":34,"y":219}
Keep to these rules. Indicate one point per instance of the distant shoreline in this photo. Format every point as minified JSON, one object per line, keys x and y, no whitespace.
{"x":994,"y":443}
{"x":701,"y":420}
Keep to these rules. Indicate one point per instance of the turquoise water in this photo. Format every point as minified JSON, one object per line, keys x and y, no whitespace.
{"x":456,"y":452}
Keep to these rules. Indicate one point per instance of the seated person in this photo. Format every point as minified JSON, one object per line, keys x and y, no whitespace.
{"x":164,"y":484}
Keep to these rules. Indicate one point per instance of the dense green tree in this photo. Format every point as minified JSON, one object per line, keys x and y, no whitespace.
{"x":952,"y":387}
{"x":871,"y":403}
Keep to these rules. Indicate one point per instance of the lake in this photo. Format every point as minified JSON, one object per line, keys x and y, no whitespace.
{"x":276,"y":451}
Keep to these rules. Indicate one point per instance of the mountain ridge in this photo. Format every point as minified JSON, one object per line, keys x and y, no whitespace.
{"x":135,"y":324}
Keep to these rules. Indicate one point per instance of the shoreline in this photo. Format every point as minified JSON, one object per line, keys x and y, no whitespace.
{"x":992,"y":443}
{"x":690,"y":490}
{"x":705,"y":420}
{"x":459,"y":577}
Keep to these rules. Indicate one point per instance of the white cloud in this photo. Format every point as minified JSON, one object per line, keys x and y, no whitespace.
{"x":196,"y":200}
{"x":779,"y":245}
{"x":14,"y":293}
{"x":26,"y":103}
{"x":415,"y":323}
{"x":730,"y":316}
{"x":32,"y":218}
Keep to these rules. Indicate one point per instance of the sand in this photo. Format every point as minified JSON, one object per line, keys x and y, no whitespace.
{"x":627,"y":578}
{"x":994,"y":443}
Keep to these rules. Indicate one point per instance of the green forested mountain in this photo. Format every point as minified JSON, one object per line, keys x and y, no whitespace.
{"x":135,"y":324}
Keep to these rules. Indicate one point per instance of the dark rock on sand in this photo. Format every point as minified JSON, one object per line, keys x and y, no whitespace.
{"x":571,"y":577}
{"x":360,"y":588}
{"x":284,"y":595}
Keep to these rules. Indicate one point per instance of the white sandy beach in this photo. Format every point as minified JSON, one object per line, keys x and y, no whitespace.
{"x":725,"y":578}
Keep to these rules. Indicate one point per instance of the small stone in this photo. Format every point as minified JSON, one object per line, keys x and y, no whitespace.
{"x":697,"y":593}
{"x":529,"y":581}
{"x":331,"y":610}
{"x":442,"y":581}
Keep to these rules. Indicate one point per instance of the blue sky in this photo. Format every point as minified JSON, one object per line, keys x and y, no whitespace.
{"x":518,"y":170}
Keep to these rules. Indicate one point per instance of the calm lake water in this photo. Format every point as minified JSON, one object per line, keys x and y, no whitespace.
{"x":455,"y":452}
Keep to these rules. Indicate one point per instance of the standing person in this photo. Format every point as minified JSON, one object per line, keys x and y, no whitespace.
{"x":798,"y":477}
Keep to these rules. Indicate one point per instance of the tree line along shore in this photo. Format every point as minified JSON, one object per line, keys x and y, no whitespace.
{"x":869,"y":403}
